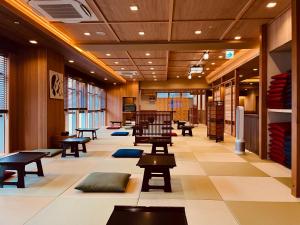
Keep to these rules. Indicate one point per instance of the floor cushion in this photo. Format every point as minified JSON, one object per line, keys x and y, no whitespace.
{"x":128,"y":153}
{"x":113,"y":127}
{"x":104,"y":182}
{"x":51,"y":152}
{"x":120,"y":133}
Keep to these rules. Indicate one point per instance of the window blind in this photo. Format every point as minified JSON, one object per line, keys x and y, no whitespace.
{"x":3,"y":84}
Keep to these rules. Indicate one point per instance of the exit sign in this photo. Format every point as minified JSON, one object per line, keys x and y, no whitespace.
{"x":229,"y":54}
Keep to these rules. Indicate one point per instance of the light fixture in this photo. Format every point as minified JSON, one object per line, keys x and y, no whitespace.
{"x":153,"y":72}
{"x":34,"y":42}
{"x":206,"y":56}
{"x":251,"y":83}
{"x":147,"y":54}
{"x":241,"y":75}
{"x":150,"y":62}
{"x":134,"y":8}
{"x":122,"y":68}
{"x":197,"y":32}
{"x":177,"y":76}
{"x":155,"y":79}
{"x":190,"y":76}
{"x":246,"y":89}
{"x":154,"y":76}
{"x":199,"y":76}
{"x":92,"y":72}
{"x":101,"y":33}
{"x":255,"y":69}
{"x":237,"y":37}
{"x":196,"y":69}
{"x":105,"y":78}
{"x":71,"y":61}
{"x":108,"y":54}
{"x":220,"y":57}
{"x":141,"y":33}
{"x":87,"y":33}
{"x":115,"y":83}
{"x":203,"y":72}
{"x":16,"y":22}
{"x":116,"y":62}
{"x":151,"y":68}
{"x":207,"y":68}
{"x":213,"y":63}
{"x":271,"y":4}
{"x":134,"y":79}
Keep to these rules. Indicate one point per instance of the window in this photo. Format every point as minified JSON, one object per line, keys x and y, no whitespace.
{"x":3,"y":101}
{"x":162,"y":95}
{"x":174,"y":95}
{"x":187,"y":95}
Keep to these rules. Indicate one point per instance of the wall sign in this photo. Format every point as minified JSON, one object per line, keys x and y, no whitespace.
{"x":229,"y":54}
{"x":56,"y":85}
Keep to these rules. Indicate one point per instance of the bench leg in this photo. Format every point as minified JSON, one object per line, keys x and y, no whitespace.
{"x":153,"y":151}
{"x":21,"y":174}
{"x":2,"y":170}
{"x":167,"y":180}
{"x":76,"y":150}
{"x":146,"y":178}
{"x":39,"y":166}
{"x":166,"y":148}
{"x":83,"y":147}
{"x":64,"y":147}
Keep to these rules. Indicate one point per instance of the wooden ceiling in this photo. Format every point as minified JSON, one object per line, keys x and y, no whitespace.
{"x":168,"y":21}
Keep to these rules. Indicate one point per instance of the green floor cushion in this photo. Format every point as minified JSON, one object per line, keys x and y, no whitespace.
{"x":51,"y":152}
{"x":120,"y":133}
{"x":128,"y":153}
{"x":104,"y":182}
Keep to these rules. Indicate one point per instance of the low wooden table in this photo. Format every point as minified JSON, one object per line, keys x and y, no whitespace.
{"x":91,"y":130}
{"x":180,"y":124}
{"x":116,"y":122}
{"x":73,"y":143}
{"x":140,"y":215}
{"x":157,"y":165}
{"x":18,"y":162}
{"x":187,"y":128}
{"x":159,"y":143}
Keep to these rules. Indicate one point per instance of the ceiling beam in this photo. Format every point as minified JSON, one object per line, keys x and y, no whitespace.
{"x":172,"y":46}
{"x":171,"y":10}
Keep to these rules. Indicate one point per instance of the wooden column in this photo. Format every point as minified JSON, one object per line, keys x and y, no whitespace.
{"x":295,"y":98}
{"x":263,"y":85}
{"x":237,"y":88}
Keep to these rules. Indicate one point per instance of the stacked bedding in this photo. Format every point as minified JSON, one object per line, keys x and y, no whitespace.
{"x":279,"y":93}
{"x":280,"y":143}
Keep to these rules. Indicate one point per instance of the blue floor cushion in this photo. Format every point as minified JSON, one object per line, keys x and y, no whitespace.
{"x":128,"y":153}
{"x":120,"y":133}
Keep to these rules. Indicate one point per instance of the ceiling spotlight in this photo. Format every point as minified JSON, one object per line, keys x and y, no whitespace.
{"x":108,"y":54}
{"x":220,"y":57}
{"x":241,"y":75}
{"x":153,"y":72}
{"x":92,"y":72}
{"x":16,"y":22}
{"x":71,"y":61}
{"x":246,"y":89}
{"x":155,"y":79}
{"x":87,"y":33}
{"x":203,"y":73}
{"x":115,"y":83}
{"x":147,"y":54}
{"x":134,"y":79}
{"x":190,"y":76}
{"x":206,"y":56}
{"x":255,"y":69}
{"x":116,"y":62}
{"x":207,"y":68}
{"x":237,"y":37}
{"x":105,"y":78}
{"x":154,"y":76}
{"x":213,"y":63}
{"x":197,"y":32}
{"x":150,"y":62}
{"x":177,"y":76}
{"x":199,"y":76}
{"x":141,"y":33}
{"x":251,"y":83}
{"x":122,"y":68}
{"x":34,"y":42}
{"x":101,"y":33}
{"x":151,"y":68}
{"x":271,"y":4}
{"x":134,"y":8}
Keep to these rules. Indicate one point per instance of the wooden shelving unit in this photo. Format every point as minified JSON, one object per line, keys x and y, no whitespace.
{"x":215,"y":120}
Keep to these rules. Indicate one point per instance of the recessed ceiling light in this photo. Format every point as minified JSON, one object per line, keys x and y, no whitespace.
{"x":155,"y":79}
{"x":108,"y":54}
{"x":199,"y":76}
{"x":87,"y":33}
{"x":198,"y":32}
{"x":116,"y":62}
{"x":101,"y":33}
{"x":203,"y":72}
{"x":71,"y":61}
{"x":92,"y":71}
{"x":147,"y":54}
{"x":220,"y":57}
{"x":255,"y":69}
{"x":237,"y":37}
{"x":154,"y":76}
{"x":34,"y":42}
{"x":241,"y":75}
{"x":207,"y":68}
{"x":271,"y":4}
{"x":150,"y":62}
{"x":122,"y":68}
{"x":246,"y":89}
{"x":115,"y":83}
{"x":250,"y":83}
{"x":151,"y":68}
{"x":177,"y":76}
{"x":16,"y":22}
{"x":141,"y":33}
{"x":105,"y":78}
{"x":134,"y":79}
{"x":213,"y":63}
{"x":153,"y":72}
{"x":134,"y":8}
{"x":206,"y":56}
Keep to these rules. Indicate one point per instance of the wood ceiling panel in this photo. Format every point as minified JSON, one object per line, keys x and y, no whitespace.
{"x":246,"y":29}
{"x":178,"y":69}
{"x":148,"y":68}
{"x":148,"y":73}
{"x":76,"y":30}
{"x":126,"y":68}
{"x":259,"y":9}
{"x":121,"y":62}
{"x":142,"y":54}
{"x":113,"y":54}
{"x":210,"y":30}
{"x":149,"y":10}
{"x":182,"y":63}
{"x":185,"y":56}
{"x":153,"y":31}
{"x":154,"y":62}
{"x":207,"y":9}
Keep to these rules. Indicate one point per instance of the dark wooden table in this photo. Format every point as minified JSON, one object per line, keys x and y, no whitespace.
{"x":18,"y":162}
{"x":74,"y":144}
{"x":180,"y":124}
{"x":91,"y":130}
{"x":159,"y":143}
{"x":140,"y":215}
{"x":157,"y":165}
{"x":116,"y":122}
{"x":187,"y":128}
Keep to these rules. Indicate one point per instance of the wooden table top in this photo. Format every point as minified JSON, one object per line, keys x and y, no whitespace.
{"x":22,"y":158}
{"x":87,"y":129}
{"x":164,"y":160}
{"x":76,"y":140}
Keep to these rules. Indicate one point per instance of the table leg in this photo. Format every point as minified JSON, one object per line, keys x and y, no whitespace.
{"x":64,"y":147}
{"x":21,"y":174}
{"x":166,"y":148}
{"x":83,"y":147}
{"x":191,"y":132}
{"x":183,"y":132}
{"x":76,"y":150}
{"x":39,"y":166}
{"x":2,"y":170}
{"x":167,"y":180}
{"x":145,"y":185}
{"x":153,"y":151}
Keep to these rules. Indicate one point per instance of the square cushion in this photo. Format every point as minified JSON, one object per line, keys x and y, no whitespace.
{"x":113,"y":127}
{"x":120,"y":133}
{"x":128,"y":153}
{"x":104,"y":182}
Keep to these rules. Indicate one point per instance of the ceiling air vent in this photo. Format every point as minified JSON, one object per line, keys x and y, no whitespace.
{"x":128,"y":73}
{"x":67,"y":11}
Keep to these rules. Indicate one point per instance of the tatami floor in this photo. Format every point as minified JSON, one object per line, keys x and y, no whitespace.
{"x":216,"y":187}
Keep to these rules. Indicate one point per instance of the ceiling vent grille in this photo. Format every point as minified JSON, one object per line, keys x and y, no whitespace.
{"x":128,"y":73}
{"x":67,"y":11}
